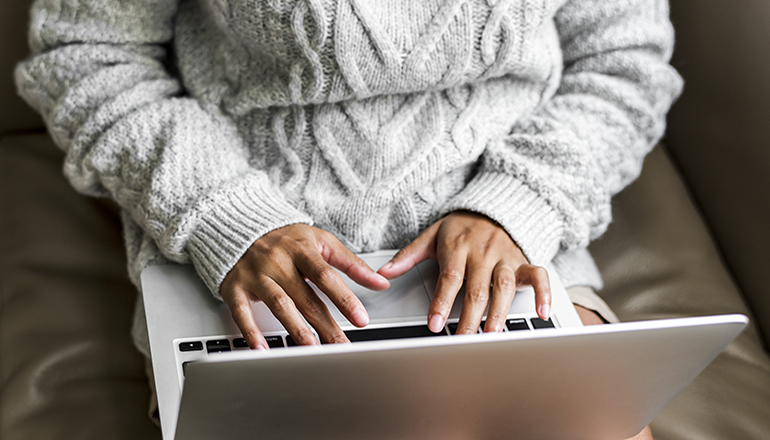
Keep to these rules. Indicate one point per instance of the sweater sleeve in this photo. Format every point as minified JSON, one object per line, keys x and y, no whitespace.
{"x":180,"y":170}
{"x":549,"y":182}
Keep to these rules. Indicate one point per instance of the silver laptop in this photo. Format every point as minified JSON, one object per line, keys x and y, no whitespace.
{"x":537,"y":379}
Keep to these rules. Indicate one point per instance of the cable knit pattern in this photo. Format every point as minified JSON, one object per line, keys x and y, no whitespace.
{"x":370,"y":119}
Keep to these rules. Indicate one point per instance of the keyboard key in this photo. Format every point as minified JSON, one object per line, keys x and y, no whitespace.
{"x":290,"y":341}
{"x":217,"y":345}
{"x":514,"y":324}
{"x":191,"y":346}
{"x":453,"y":328}
{"x":184,"y":367}
{"x":240,"y":343}
{"x":378,"y":334}
{"x":275,"y":341}
{"x":538,"y":323}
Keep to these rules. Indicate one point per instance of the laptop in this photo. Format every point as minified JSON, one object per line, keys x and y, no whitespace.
{"x":537,"y":379}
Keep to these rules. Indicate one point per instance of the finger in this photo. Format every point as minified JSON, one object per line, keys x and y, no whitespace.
{"x":284,"y":309}
{"x":330,"y":282}
{"x":314,"y":310}
{"x":339,"y":256}
{"x":537,"y":277}
{"x":503,"y":290}
{"x":477,"y":286}
{"x":451,"y":264}
{"x":240,"y":308}
{"x":422,"y":248}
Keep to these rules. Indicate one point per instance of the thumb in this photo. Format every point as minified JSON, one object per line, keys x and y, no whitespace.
{"x":422,"y":248}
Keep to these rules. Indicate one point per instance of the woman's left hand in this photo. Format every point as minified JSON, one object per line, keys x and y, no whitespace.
{"x":471,"y":247}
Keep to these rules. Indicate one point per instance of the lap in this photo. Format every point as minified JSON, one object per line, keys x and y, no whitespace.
{"x":586,"y":298}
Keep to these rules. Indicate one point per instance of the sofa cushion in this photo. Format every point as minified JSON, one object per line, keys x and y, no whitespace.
{"x":68,"y":369}
{"x":658,"y":261}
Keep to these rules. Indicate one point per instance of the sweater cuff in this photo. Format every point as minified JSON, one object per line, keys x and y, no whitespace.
{"x":527,"y":217}
{"x":236,"y":216}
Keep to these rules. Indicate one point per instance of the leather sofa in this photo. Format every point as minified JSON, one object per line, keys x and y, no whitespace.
{"x":690,"y":237}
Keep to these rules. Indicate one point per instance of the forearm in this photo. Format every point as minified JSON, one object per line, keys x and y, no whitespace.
{"x":549,"y":182}
{"x":182,"y":172}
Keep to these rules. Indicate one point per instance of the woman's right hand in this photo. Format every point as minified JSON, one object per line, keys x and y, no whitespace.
{"x":274,"y":269}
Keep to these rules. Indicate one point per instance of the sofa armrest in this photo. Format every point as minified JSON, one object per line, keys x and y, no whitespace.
{"x":718,"y":133}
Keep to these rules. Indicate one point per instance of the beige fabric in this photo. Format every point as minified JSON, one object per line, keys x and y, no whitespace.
{"x":587,"y":298}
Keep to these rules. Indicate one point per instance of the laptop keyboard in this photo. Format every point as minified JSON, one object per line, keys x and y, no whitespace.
{"x":190,"y":350}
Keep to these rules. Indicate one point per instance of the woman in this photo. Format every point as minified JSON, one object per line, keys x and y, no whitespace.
{"x":265,"y":142}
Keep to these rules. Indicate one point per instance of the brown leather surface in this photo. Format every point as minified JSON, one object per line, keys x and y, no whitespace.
{"x":719,"y":131}
{"x":658,"y":261}
{"x":14,"y":113}
{"x":68,"y":369}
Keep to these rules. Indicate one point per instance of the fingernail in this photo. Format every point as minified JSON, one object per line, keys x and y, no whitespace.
{"x":545,"y":311}
{"x":360,"y":318}
{"x":387,"y":265}
{"x":436,"y":323}
{"x":382,"y":278}
{"x":262,"y":346}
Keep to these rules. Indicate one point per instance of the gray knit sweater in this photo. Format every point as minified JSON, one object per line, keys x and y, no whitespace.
{"x":213,"y":122}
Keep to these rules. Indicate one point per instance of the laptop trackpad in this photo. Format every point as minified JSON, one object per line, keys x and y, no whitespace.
{"x":406,"y":296}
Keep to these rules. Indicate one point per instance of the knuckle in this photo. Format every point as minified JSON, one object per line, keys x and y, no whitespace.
{"x":280,"y":303}
{"x":259,"y":247}
{"x":306,"y":246}
{"x":233,"y":280}
{"x":488,"y":245}
{"x":311,"y":308}
{"x":452,"y":276}
{"x":347,"y":302}
{"x":506,"y":283}
{"x":290,"y":244}
{"x":241,"y":310}
{"x":250,"y":332}
{"x":304,"y":335}
{"x":466,"y":329}
{"x":267,"y":250}
{"x":462,"y":237}
{"x":442,"y":304}
{"x":325,"y":273}
{"x":495,"y":317}
{"x":338,"y":337}
{"x":479,"y":295}
{"x":404,"y":252}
